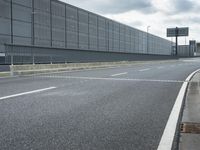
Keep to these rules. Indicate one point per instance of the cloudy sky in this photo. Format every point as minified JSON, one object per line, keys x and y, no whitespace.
{"x":159,"y":14}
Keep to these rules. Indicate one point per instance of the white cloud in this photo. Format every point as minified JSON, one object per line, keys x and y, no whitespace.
{"x":159,"y":14}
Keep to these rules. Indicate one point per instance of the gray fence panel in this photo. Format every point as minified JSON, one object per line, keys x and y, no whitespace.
{"x":58,"y":25}
{"x":83,"y":41}
{"x":92,"y":19}
{"x":5,"y":9}
{"x":83,"y":28}
{"x":72,"y":40}
{"x":75,"y":29}
{"x":27,"y":3}
{"x":22,"y":13}
{"x":58,"y":22}
{"x":21,"y":40}
{"x":21,"y":29}
{"x":42,"y":5}
{"x":5,"y":26}
{"x":72,"y":25}
{"x":102,"y":22}
{"x":71,"y":12}
{"x":42,"y":32}
{"x":93,"y":43}
{"x":83,"y":16}
{"x":4,"y":39}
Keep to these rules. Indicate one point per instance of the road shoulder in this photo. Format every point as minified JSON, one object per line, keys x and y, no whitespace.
{"x":190,"y":124}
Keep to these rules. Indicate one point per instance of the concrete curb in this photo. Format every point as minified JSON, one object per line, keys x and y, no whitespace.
{"x":17,"y":70}
{"x":190,"y":122}
{"x":167,"y":139}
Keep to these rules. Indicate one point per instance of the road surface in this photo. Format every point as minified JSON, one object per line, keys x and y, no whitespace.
{"x":121,"y":108}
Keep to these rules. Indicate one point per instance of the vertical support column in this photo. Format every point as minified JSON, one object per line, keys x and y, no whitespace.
{"x":77,"y":27}
{"x":119,"y":38}
{"x":113,"y":36}
{"x":147,"y":43}
{"x":32,"y":24}
{"x":98,"y":33}
{"x":51,"y":21}
{"x":65,"y":27}
{"x":176,"y":41}
{"x":11,"y":19}
{"x":107,"y":33}
{"x":88,"y":31}
{"x":32,"y":32}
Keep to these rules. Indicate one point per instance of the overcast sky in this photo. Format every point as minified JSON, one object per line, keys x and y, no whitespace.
{"x":159,"y":14}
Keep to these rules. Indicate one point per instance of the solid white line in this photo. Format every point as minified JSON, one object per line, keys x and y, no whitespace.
{"x":145,"y":69}
{"x":119,"y":74}
{"x":26,"y":93}
{"x":113,"y":79}
{"x":170,"y":128}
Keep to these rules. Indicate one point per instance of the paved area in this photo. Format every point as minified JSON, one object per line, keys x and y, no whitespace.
{"x":122,"y":108}
{"x":191,"y":114}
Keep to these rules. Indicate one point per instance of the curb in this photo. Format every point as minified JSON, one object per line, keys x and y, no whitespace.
{"x":167,"y":139}
{"x":51,"y":68}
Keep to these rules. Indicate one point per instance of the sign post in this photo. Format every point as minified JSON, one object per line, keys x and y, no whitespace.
{"x":176,"y":32}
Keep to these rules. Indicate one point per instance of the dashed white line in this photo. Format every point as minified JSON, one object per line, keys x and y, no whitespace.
{"x":26,"y":93}
{"x":161,"y":67}
{"x":119,"y":74}
{"x":144,"y":69}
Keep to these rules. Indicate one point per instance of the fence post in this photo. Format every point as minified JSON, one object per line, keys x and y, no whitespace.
{"x":33,"y":60}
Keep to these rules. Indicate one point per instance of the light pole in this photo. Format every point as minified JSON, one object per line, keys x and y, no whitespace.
{"x":148,"y":39}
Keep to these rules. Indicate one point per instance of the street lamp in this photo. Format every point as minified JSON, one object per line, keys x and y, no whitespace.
{"x":148,"y":39}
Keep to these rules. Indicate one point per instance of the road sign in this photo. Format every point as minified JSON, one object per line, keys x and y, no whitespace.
{"x":173,"y":32}
{"x":176,"y":32}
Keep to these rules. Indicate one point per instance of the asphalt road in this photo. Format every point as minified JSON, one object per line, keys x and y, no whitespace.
{"x":122,"y":108}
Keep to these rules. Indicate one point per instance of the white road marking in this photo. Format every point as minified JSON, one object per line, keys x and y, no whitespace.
{"x":113,"y":79}
{"x":145,"y":69}
{"x":119,"y":74}
{"x":170,"y":128}
{"x":26,"y":93}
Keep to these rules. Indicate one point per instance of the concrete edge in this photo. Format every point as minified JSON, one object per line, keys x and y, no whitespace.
{"x":168,"y":136}
{"x":49,"y":68}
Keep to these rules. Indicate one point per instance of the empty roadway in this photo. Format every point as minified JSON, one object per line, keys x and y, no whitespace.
{"x":121,"y":108}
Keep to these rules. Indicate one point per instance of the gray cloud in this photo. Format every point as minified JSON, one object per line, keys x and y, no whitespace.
{"x":136,"y":23}
{"x":119,"y":6}
{"x":115,"y":6}
{"x":183,"y":5}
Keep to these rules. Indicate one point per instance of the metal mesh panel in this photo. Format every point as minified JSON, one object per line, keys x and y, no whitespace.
{"x":5,"y":9}
{"x":27,"y":3}
{"x":22,"y":13}
{"x":42,"y":5}
{"x":60,"y":25}
{"x":71,"y":12}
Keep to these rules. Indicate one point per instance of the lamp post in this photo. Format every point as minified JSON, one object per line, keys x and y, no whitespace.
{"x":148,"y":39}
